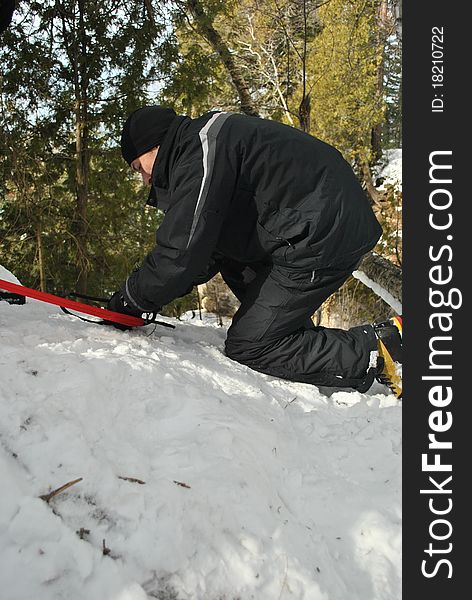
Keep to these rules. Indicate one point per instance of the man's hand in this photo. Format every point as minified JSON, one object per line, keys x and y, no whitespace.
{"x":117,"y":303}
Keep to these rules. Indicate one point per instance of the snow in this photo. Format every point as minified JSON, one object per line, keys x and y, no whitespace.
{"x":8,"y":276}
{"x":390,"y":170}
{"x":203,"y":480}
{"x":379,"y":290}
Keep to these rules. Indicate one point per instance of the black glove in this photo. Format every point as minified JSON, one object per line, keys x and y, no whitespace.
{"x":117,"y":303}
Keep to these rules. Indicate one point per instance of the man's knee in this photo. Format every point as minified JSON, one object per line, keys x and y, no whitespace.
{"x":235,"y":349}
{"x":243,"y":350}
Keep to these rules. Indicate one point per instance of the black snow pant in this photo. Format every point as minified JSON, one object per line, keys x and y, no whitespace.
{"x":272,"y":331}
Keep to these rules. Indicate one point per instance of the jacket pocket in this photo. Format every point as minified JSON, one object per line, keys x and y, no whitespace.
{"x":286,"y":225}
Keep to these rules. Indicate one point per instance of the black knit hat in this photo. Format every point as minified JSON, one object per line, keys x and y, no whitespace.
{"x":145,"y":129}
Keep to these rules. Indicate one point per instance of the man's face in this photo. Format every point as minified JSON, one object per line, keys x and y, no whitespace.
{"x":144,"y":163}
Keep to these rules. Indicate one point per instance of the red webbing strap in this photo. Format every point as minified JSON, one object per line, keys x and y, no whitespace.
{"x":95,"y":311}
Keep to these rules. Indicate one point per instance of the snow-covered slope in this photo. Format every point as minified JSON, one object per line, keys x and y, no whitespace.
{"x":249,"y":487}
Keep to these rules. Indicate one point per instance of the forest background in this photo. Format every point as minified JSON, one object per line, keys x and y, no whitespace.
{"x":72,"y":214}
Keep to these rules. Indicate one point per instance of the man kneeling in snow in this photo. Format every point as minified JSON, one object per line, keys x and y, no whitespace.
{"x":281,"y":215}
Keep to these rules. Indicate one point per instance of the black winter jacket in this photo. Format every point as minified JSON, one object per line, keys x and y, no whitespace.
{"x":252,"y":190}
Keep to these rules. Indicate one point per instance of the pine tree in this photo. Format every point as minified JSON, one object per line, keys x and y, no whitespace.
{"x":84,"y":67}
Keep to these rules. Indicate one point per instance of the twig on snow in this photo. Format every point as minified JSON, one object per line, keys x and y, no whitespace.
{"x":83,"y":533}
{"x":184,"y":485}
{"x":48,"y":497}
{"x":132,"y":479}
{"x":290,"y":402}
{"x":106,"y":551}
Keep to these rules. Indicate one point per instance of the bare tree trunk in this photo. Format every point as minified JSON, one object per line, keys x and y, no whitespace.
{"x":75,"y":39}
{"x":304,"y":110}
{"x":82,"y":201}
{"x":40,"y":248}
{"x":199,"y":299}
{"x":150,"y":12}
{"x":384,"y":273}
{"x":217,"y":304}
{"x":304,"y":114}
{"x":397,"y":7}
{"x":376,"y":142}
{"x":383,"y":25}
{"x":82,"y":151}
{"x":206,"y":29}
{"x":377,"y":198}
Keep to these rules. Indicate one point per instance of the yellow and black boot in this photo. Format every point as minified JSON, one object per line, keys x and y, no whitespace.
{"x":389,"y":340}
